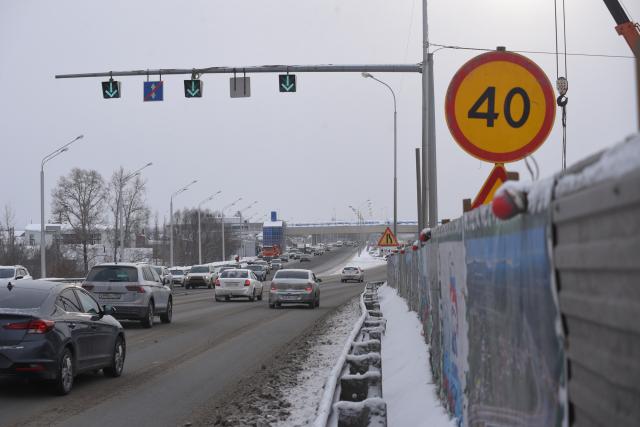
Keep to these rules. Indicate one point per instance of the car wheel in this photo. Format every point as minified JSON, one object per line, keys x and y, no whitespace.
{"x":272,"y":305}
{"x":312,"y":304}
{"x":147,"y":322}
{"x":253,"y":295}
{"x":167,"y":315}
{"x":209,"y":286}
{"x":318,"y":302}
{"x":117,"y":360}
{"x":260,"y":294}
{"x":64,"y":379}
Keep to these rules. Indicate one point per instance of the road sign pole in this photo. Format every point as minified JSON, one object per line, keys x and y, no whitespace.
{"x":433,"y":170}
{"x":425,"y":115}
{"x":418,"y":192}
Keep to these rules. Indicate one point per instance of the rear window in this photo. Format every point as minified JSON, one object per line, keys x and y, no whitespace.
{"x":255,"y":267}
{"x":235,"y":274}
{"x":176,"y":272}
{"x":18,"y":298}
{"x":350,"y":269}
{"x":158,"y":270}
{"x":6,"y":273}
{"x":113,"y":273}
{"x":284,"y":274}
{"x":200,"y":269}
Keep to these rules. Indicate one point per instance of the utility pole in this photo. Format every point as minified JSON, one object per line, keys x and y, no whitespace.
{"x":429,"y":173}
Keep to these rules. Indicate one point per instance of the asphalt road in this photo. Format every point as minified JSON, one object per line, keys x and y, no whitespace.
{"x":175,"y":371}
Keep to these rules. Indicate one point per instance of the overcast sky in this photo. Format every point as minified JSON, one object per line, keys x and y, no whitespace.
{"x":308,"y":154}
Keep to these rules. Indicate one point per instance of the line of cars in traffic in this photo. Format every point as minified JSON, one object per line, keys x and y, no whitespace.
{"x":54,"y":331}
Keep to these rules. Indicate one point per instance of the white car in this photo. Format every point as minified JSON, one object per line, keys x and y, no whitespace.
{"x":13,"y":272}
{"x":238,"y":282}
{"x":352,"y":273}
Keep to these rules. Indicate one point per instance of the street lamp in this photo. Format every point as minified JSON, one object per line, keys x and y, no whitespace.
{"x":395,"y":152}
{"x":123,"y":181}
{"x":182,"y":190}
{"x":199,"y":229}
{"x":45,"y":159}
{"x":241,"y":223}
{"x":222,"y":218}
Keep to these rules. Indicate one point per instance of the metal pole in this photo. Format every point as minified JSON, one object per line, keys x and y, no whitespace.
{"x":199,"y":239}
{"x":171,"y":232}
{"x":395,"y":169}
{"x":121,"y":224}
{"x":418,"y":192}
{"x":43,"y":243}
{"x":433,"y":172}
{"x":223,"y":248}
{"x":425,"y":114}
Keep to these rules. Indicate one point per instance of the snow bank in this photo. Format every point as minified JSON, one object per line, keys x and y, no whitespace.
{"x":364,"y":260}
{"x":407,"y":385}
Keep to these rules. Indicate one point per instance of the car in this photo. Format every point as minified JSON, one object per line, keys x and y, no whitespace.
{"x":201,"y":275}
{"x":305,"y":257}
{"x":295,"y":286}
{"x":294,"y":255}
{"x":178,"y":274}
{"x":55,"y":331}
{"x":259,"y":271}
{"x":238,"y":283}
{"x":263,"y":263}
{"x":13,"y":272}
{"x":284,"y":257}
{"x":276,"y":264}
{"x":165,"y":274}
{"x":352,"y":273}
{"x":134,"y":289}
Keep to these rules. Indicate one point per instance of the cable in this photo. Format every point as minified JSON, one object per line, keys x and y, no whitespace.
{"x":538,"y":52}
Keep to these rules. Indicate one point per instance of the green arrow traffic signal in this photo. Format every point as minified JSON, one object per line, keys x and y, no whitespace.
{"x":193,"y":88}
{"x":287,"y":82}
{"x":111,"y":89}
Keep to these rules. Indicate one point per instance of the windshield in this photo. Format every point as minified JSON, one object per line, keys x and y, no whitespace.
{"x":200,"y":269}
{"x":255,"y":267}
{"x":7,"y":273}
{"x":158,"y":270}
{"x":113,"y":273}
{"x":284,"y":274}
{"x":22,"y":298}
{"x":235,"y":274}
{"x":176,"y":272}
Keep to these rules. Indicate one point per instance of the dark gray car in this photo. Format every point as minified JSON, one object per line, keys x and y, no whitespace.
{"x":55,"y":331}
{"x":294,"y":286}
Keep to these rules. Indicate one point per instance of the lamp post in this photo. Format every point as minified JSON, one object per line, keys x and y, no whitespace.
{"x":199,"y":229}
{"x":395,"y":151}
{"x":182,"y":190}
{"x":222,"y":218}
{"x":123,"y":181}
{"x":241,"y":227}
{"x":43,"y":243}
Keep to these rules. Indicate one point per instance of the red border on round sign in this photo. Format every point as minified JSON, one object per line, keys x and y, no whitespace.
{"x":547,"y":90}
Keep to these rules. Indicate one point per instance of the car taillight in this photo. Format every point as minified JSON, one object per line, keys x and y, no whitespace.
{"x":217,"y":282}
{"x":309,"y":287}
{"x":135,"y":288}
{"x":88,"y":287}
{"x":247,"y":282}
{"x":274,"y":286}
{"x":37,"y":326}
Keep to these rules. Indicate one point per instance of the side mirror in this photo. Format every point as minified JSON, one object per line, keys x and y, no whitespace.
{"x":19,"y":277}
{"x":108,"y":310}
{"x":318,"y":280}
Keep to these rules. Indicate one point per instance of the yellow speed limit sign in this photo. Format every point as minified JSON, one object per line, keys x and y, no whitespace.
{"x":500,"y":107}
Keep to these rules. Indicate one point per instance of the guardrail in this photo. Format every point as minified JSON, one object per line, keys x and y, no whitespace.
{"x":353,"y":392}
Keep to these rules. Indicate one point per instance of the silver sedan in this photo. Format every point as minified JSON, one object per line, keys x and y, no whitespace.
{"x":295,"y":286}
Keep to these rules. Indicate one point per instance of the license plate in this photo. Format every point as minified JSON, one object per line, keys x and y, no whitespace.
{"x":290,"y":298}
{"x":231,"y":284}
{"x":110,"y":296}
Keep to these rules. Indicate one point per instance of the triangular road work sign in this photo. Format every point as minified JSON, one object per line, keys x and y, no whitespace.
{"x":388,"y":239}
{"x":496,"y":178}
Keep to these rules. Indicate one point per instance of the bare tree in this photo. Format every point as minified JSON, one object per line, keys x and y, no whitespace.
{"x":78,"y":200}
{"x":135,"y":210}
{"x":115,"y":190}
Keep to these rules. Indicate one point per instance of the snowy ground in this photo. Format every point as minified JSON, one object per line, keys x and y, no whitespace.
{"x":407,"y":385}
{"x":364,"y":260}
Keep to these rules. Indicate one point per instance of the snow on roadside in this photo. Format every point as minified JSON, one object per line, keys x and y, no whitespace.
{"x":305,"y":395}
{"x":407,"y":385}
{"x":364,"y":260}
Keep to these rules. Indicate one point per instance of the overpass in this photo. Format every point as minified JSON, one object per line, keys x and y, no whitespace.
{"x":346,"y":228}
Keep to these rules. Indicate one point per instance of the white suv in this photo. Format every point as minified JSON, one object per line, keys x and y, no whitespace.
{"x":201,"y":275}
{"x":134,"y":289}
{"x":13,"y":272}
